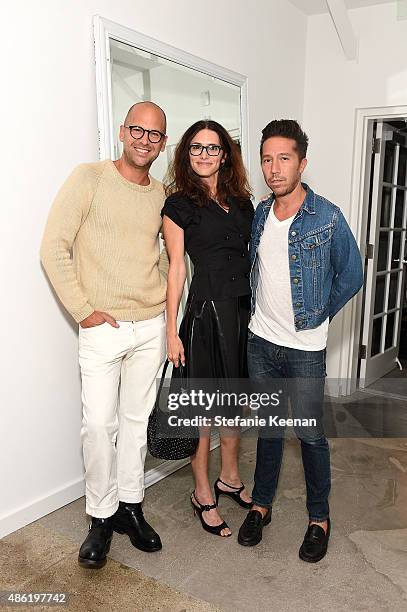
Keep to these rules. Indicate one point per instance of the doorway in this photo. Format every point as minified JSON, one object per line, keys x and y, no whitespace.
{"x":383,"y":334}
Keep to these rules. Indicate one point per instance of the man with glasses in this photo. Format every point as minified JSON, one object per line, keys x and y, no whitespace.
{"x":101,"y":253}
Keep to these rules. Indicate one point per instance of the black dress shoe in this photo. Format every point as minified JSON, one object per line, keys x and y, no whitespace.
{"x":251,"y":531}
{"x":315,"y":543}
{"x":129,"y":519}
{"x":92,"y":553}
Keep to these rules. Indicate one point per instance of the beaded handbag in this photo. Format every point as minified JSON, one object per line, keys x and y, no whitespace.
{"x":166,"y":441}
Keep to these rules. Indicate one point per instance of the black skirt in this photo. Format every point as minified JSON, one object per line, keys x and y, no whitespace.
{"x":214,"y":335}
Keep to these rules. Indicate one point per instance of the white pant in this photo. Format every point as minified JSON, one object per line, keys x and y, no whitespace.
{"x":119,"y":368}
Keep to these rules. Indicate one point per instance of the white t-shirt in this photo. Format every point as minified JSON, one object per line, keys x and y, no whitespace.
{"x":273,"y":319}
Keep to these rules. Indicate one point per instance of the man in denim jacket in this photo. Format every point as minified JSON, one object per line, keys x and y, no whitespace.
{"x":306,"y":266}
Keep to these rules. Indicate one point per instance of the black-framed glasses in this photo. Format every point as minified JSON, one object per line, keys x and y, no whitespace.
{"x":137,"y":132}
{"x":212,"y":149}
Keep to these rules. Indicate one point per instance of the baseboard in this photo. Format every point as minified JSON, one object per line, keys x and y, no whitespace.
{"x":169,"y":467}
{"x":41,"y":507}
{"x":61,"y":497}
{"x":333,"y":387}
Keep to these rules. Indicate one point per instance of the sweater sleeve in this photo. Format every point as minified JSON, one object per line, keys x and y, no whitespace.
{"x":69,"y":210}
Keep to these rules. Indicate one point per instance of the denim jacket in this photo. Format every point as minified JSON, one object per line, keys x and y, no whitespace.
{"x":324,"y":260}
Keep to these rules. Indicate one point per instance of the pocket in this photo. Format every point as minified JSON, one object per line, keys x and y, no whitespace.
{"x":315,"y":248}
{"x":313,"y":288}
{"x":89,"y":329}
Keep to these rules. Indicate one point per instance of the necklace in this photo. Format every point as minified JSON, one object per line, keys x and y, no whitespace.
{"x":225,"y":207}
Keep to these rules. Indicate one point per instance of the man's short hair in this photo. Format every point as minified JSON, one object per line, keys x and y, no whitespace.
{"x":286,"y":128}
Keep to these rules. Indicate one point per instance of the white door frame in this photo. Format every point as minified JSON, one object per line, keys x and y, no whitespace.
{"x":349,"y":353}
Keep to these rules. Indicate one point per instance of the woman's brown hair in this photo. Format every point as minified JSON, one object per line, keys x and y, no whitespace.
{"x":232,"y":178}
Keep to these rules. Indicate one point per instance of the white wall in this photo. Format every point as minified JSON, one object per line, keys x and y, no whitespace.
{"x":334,"y":89}
{"x":49,"y":101}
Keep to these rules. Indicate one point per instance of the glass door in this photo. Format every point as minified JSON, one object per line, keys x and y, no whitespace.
{"x":386,"y":255}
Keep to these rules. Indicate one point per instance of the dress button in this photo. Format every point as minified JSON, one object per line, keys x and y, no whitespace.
{"x":293,"y":233}
{"x":233,"y":278}
{"x":293,"y":257}
{"x":227,"y":237}
{"x":295,"y":281}
{"x":243,"y":255}
{"x":298,"y":304}
{"x":229,"y":257}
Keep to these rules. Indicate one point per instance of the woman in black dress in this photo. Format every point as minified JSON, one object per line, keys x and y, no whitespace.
{"x":208,"y":213}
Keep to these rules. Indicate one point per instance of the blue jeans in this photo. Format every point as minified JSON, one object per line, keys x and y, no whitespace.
{"x":301,"y":377}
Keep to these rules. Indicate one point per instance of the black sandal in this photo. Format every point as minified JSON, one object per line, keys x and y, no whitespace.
{"x":215,"y":529}
{"x":235,"y":495}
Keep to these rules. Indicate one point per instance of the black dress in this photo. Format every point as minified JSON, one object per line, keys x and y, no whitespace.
{"x":214,"y":327}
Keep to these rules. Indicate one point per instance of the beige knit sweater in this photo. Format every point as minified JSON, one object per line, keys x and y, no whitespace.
{"x":100,"y":247}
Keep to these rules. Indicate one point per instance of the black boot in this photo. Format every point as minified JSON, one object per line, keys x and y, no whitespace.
{"x":93,"y":551}
{"x":129,"y":519}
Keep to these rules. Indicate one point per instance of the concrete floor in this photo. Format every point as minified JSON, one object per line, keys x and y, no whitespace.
{"x":394,"y":383}
{"x":365,"y":568}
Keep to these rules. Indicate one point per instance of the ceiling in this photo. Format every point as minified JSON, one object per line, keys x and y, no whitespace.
{"x":316,"y":7}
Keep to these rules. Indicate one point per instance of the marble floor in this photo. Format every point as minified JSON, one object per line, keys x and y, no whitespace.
{"x":365,"y":568}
